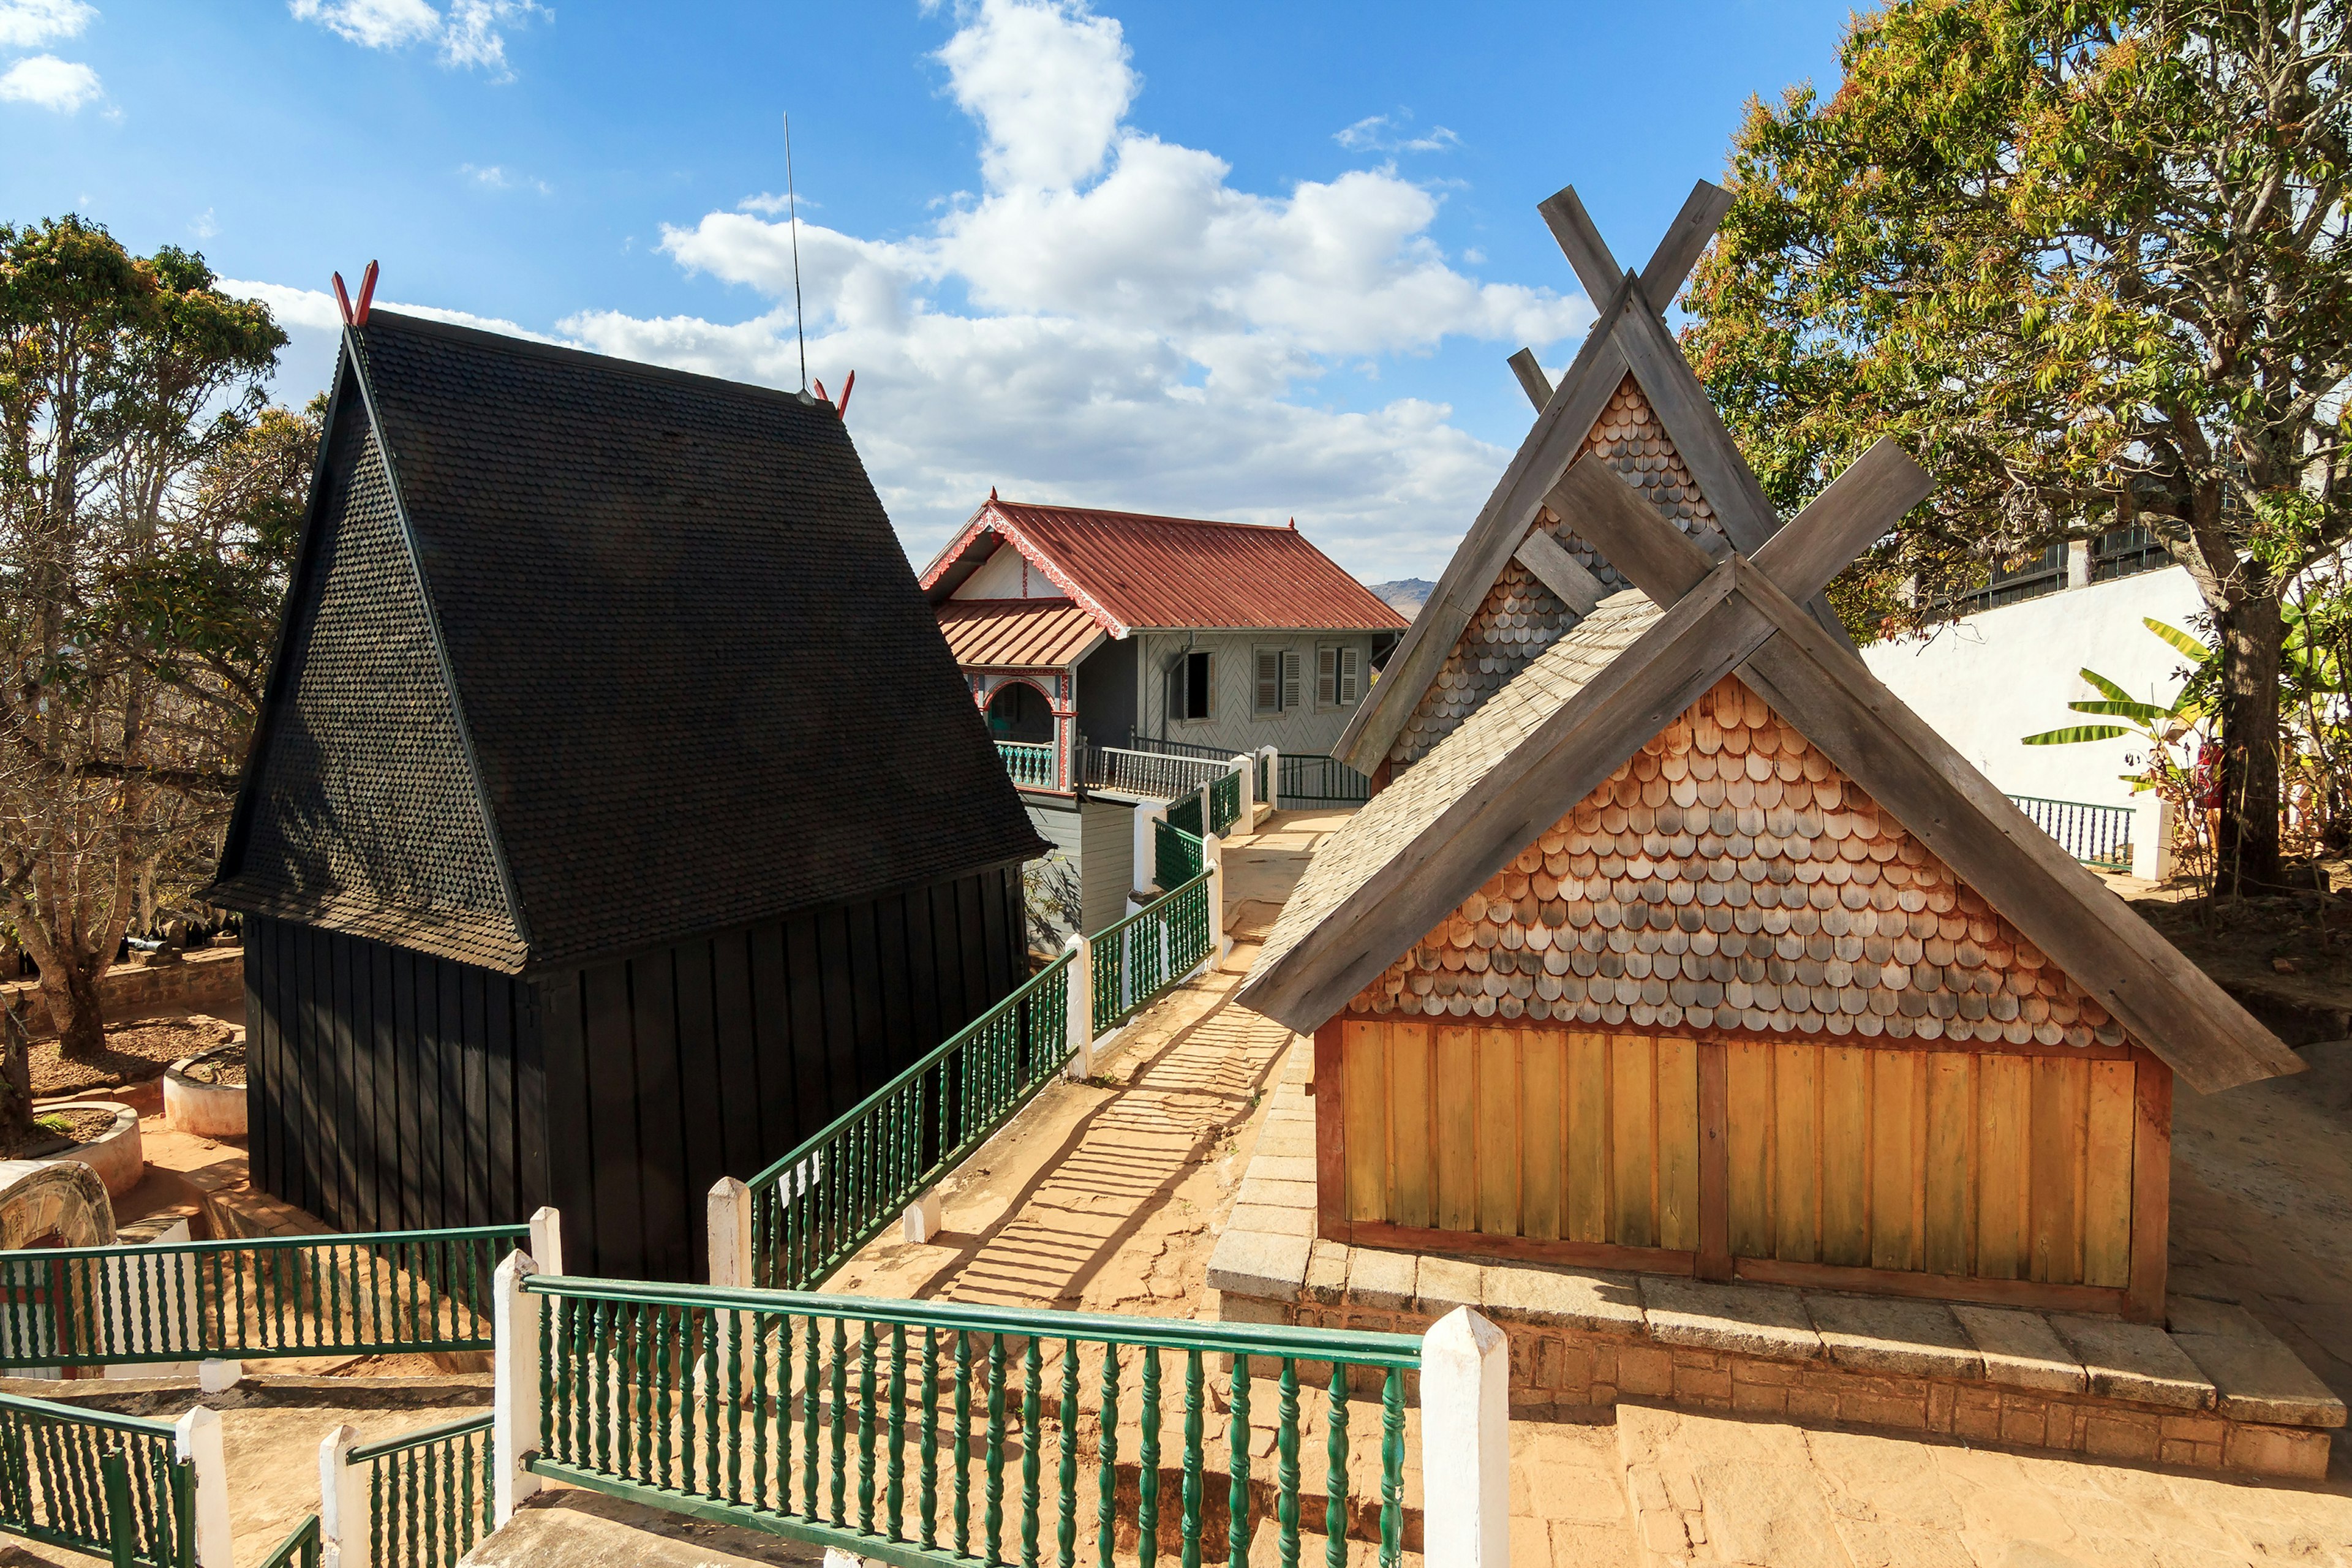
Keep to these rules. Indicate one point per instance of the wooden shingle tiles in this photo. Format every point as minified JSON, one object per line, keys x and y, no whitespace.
{"x":1520,"y":617}
{"x":1728,"y":878}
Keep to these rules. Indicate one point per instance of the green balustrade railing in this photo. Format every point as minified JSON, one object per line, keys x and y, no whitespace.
{"x":252,"y":1299}
{"x":1226,"y":801}
{"x":2096,"y":834}
{"x":1149,"y":953}
{"x":1184,"y":812}
{"x":924,"y":1432}
{"x":1177,"y":854}
{"x":818,"y":1205}
{"x":91,"y":1481}
{"x":430,"y":1493}
{"x":1031,"y":765}
{"x":299,"y":1550}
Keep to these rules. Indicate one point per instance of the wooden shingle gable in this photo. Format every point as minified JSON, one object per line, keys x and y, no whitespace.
{"x":1629,"y":362}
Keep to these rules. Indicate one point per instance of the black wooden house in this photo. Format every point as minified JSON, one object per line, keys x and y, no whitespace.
{"x":617,"y":815}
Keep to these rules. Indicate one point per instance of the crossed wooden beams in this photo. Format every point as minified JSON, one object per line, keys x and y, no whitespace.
{"x":1628,"y":334}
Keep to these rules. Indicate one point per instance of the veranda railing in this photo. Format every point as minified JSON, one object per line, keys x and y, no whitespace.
{"x":821,"y":1203}
{"x":1030,"y":766}
{"x":1226,"y":801}
{"x":927,"y":1432}
{"x":1152,"y":775}
{"x":1307,"y":780}
{"x":299,"y":1550}
{"x":1177,"y":852}
{"x":113,"y":1486}
{"x":252,"y":1299}
{"x":2095,"y":835}
{"x":430,"y":1493}
{"x":1143,"y":956}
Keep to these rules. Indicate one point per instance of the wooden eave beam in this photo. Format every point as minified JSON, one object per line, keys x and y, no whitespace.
{"x":2161,"y":999}
{"x":1707,"y":636}
{"x":1532,"y":380}
{"x":1685,"y":241}
{"x":1580,"y":240}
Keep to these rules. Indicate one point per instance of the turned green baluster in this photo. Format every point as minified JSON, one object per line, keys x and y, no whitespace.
{"x":1106,"y":1513}
{"x":895,"y":1493}
{"x":606,"y":1373}
{"x":1393,"y":1470}
{"x":1238,"y":1495}
{"x":1285,"y":1467}
{"x":811,"y":1398}
{"x":643,"y":1339}
{"x":865,"y":1347}
{"x":1335,"y":1484}
{"x":996,"y":1456}
{"x":1146,"y":1513}
{"x":931,"y":1452}
{"x":665,"y":1353}
{"x":840,"y":1422}
{"x":1066,"y":1531}
{"x":1033,"y":1372}
{"x":1193,"y":1459}
{"x":962,"y":1444}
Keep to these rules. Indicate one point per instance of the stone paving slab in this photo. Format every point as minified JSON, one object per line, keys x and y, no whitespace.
{"x":2022,"y":1350}
{"x":2135,"y":1361}
{"x":1746,"y":1319}
{"x":1887,"y":1333}
{"x":2259,"y":1379}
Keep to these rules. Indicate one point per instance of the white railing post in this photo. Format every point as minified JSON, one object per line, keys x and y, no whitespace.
{"x":728,"y":1212}
{"x":344,"y":1538}
{"x":197,"y":1442}
{"x":2152,"y":839}
{"x":1465,"y":1437}
{"x":1145,"y":875}
{"x":514,"y":1405}
{"x":1247,"y":767}
{"x":547,"y":1240}
{"x":1273,"y":755}
{"x":1079,"y":1004}
{"x":1213,"y":861}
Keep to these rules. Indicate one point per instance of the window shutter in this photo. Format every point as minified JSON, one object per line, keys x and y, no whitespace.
{"x":1348,"y":674}
{"x":1327,"y":676}
{"x":1270,"y":680}
{"x":1292,"y":671}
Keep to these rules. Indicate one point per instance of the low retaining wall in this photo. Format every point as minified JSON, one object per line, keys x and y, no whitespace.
{"x":209,"y":980}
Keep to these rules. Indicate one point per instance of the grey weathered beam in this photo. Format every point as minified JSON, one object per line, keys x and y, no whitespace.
{"x":2162,"y":999}
{"x":1588,"y":253}
{"x":1563,"y":574}
{"x":1685,"y":241}
{"x":1592,"y":378}
{"x":1631,"y":534}
{"x":1532,"y":380}
{"x":1860,"y":507}
{"x":1664,"y":671}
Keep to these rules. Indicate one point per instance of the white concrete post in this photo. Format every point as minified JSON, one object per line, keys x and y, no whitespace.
{"x":1212,"y":856}
{"x":344,"y":1538}
{"x":2152,"y":839}
{"x":1273,"y":754}
{"x":196,"y":1441}
{"x":1466,"y":1442}
{"x":1080,"y":1006}
{"x":728,"y":1218}
{"x":1247,"y":767}
{"x":218,"y":1377}
{"x":1145,"y":815}
{"x":2078,"y":564}
{"x":514,"y":1401}
{"x":547,"y":1240}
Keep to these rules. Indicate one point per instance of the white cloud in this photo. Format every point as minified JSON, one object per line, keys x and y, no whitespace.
{"x":46,"y":82}
{"x":471,"y":32}
{"x":315,"y":309}
{"x":1049,"y":84}
{"x":1380,"y":133}
{"x":203,"y":225}
{"x":28,"y":23}
{"x":493,"y":177}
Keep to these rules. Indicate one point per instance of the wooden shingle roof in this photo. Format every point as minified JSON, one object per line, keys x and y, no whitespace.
{"x":582,"y":656}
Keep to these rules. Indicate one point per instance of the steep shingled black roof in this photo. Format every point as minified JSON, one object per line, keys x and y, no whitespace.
{"x":602,"y":657}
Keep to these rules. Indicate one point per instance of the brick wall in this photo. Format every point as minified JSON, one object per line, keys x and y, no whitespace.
{"x":210,"y":980}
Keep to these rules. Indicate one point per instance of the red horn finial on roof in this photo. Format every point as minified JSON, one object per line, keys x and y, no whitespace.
{"x":358,"y":313}
{"x":846,"y":388}
{"x":821,"y":397}
{"x":1294,"y":525}
{"x":992,"y":493}
{"x":342,"y":299}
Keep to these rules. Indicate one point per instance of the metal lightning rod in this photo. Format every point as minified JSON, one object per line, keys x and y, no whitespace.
{"x":793,"y":205}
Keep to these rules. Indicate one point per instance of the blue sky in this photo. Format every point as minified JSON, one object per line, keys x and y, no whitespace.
{"x":1235,"y":260}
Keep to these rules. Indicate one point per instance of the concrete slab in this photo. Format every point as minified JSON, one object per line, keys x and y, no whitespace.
{"x":1259,"y":1263}
{"x":1327,"y":1272}
{"x":1443,"y":1284}
{"x":1597,"y":1302}
{"x":1381,"y":1280}
{"x":2261,"y":1380}
{"x":2022,"y":1350}
{"x":1749,"y":1320}
{"x":2135,"y":1361}
{"x":588,"y":1529}
{"x":2227,"y":1320}
{"x":1886,"y":1334}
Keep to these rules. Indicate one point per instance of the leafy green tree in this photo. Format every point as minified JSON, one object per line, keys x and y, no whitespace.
{"x":2087,"y":259}
{"x":144,"y":521}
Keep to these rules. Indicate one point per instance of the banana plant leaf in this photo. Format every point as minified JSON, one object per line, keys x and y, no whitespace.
{"x":2076,"y":733}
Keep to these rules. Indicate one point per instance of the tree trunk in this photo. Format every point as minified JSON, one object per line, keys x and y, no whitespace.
{"x":71,"y":992}
{"x":2247,"y":857}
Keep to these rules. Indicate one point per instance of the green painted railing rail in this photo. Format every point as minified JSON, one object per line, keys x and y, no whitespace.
{"x":299,"y":1550}
{"x":2096,"y":834}
{"x":1030,"y":764}
{"x":430,"y":1493}
{"x":818,"y":1205}
{"x":1148,"y":952}
{"x":1184,"y":812}
{"x":253,"y":1299}
{"x":925,"y":1432}
{"x":89,"y":1480}
{"x":1177,"y":852}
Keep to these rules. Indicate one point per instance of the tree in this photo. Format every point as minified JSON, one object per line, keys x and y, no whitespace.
{"x":2087,"y":259}
{"x":143,"y":527}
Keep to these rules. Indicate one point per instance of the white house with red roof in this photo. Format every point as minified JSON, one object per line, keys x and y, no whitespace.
{"x":1090,"y":637}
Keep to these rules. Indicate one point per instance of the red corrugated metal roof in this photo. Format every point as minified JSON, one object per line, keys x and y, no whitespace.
{"x":1134,"y":570}
{"x":1022,"y":634}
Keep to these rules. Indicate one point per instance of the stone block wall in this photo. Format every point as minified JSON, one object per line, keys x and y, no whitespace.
{"x":209,"y":980}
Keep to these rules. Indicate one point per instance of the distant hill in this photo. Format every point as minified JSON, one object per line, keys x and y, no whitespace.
{"x":1405,"y":595}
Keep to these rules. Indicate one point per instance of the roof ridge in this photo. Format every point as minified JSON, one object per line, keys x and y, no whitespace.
{"x":1147,"y":516}
{"x":565,"y":353}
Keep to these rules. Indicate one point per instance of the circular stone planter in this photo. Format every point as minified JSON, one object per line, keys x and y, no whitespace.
{"x":115,"y":1155}
{"x":207,"y":1109}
